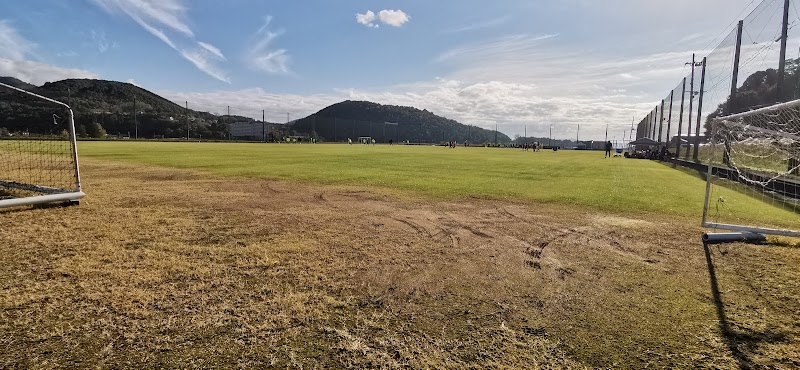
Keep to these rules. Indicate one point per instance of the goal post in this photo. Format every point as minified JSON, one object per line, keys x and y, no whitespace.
{"x":38,"y":150}
{"x":753,"y":178}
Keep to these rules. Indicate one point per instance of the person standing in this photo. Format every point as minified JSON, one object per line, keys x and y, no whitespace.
{"x":609,"y":146}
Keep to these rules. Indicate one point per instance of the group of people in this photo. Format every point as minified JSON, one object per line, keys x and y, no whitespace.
{"x":536,"y":146}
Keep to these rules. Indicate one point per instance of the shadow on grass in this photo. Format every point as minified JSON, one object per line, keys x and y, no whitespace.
{"x":740,"y":341}
{"x":40,"y":206}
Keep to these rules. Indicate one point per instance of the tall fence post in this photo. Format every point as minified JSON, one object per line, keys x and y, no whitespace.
{"x":782,"y":60}
{"x":735,"y":76}
{"x":669,"y":118}
{"x":680,"y":119}
{"x":691,"y":106}
{"x":699,"y":111}
{"x":661,"y":122}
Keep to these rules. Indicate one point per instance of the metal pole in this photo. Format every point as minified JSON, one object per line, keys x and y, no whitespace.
{"x":135,"y":122}
{"x":606,"y":133}
{"x":699,"y":111}
{"x":551,"y":136}
{"x":669,"y":118}
{"x":661,"y":122}
{"x":578,"y":136}
{"x":691,"y":105}
{"x":680,"y":119}
{"x":782,"y":60}
{"x":735,"y":75}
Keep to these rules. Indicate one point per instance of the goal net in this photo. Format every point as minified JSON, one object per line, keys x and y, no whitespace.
{"x":754,"y":171}
{"x":38,"y":153}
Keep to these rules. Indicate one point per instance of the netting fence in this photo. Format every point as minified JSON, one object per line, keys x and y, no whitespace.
{"x":729,"y":116}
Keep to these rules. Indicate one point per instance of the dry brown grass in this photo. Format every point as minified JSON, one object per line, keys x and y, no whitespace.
{"x":170,"y":268}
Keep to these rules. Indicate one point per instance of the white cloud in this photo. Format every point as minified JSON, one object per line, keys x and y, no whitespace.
{"x":156,"y":16}
{"x":367,"y":19}
{"x":168,"y":13}
{"x":394,"y":18}
{"x":12,"y":44}
{"x":480,"y":25}
{"x":262,"y":56}
{"x":211,"y":48}
{"x":203,"y":61}
{"x":15,"y":50}
{"x":100,"y":40}
{"x":38,"y":73}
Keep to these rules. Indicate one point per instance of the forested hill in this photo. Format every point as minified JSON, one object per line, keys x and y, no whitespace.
{"x":353,"y":119}
{"x":108,"y":105}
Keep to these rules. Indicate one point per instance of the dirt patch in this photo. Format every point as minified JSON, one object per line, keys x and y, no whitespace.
{"x":163,"y":268}
{"x":617,"y":221}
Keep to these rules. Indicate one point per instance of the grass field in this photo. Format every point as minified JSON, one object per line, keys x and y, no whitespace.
{"x":567,"y":177}
{"x":251,"y":255}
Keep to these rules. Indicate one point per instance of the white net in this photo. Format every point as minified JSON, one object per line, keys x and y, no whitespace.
{"x":754,"y":180}
{"x":37,"y":151}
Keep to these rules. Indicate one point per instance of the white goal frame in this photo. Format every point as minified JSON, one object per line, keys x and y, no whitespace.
{"x":49,"y":194}
{"x":711,"y":168}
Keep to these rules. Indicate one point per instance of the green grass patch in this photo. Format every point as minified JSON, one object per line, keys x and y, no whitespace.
{"x":585,"y":179}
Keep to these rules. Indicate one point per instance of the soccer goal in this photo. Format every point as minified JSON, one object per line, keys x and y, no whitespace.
{"x":753,"y":182}
{"x":38,"y":151}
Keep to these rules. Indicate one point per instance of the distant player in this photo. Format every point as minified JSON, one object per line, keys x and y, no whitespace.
{"x":350,"y":141}
{"x":609,"y":146}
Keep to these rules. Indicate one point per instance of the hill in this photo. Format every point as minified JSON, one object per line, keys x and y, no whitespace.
{"x":109,"y":104}
{"x":353,"y":119}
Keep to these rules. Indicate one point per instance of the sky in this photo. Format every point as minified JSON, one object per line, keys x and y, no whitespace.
{"x":521,"y":66}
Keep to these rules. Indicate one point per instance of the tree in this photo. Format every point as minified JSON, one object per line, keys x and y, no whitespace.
{"x":96,"y":130}
{"x":760,"y":90}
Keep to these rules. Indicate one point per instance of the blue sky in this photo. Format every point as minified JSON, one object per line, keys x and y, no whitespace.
{"x":511,"y":63}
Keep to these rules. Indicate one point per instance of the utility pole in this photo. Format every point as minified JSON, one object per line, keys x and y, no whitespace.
{"x":782,"y":60}
{"x":578,"y":136}
{"x":135,"y":122}
{"x":606,"y":132}
{"x":526,"y":133}
{"x":551,"y":135}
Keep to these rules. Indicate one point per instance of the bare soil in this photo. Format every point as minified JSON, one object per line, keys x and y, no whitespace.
{"x":170,"y":268}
